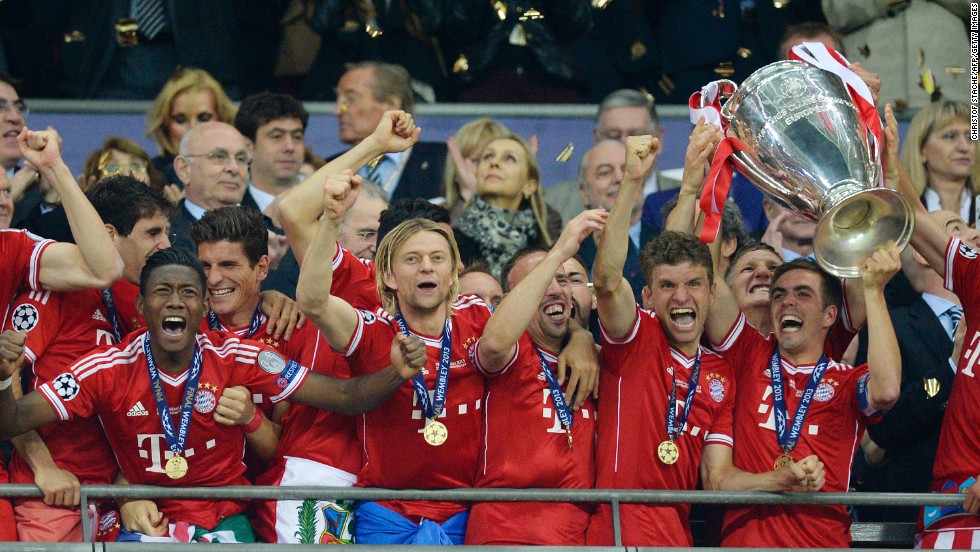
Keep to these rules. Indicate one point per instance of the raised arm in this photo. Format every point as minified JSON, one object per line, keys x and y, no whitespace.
{"x":512,"y":317}
{"x":617,"y":305}
{"x":928,"y":238}
{"x":365,"y":393}
{"x":94,"y":261}
{"x":885,"y":365}
{"x":701,"y":147}
{"x":300,"y":209}
{"x":335,"y":318}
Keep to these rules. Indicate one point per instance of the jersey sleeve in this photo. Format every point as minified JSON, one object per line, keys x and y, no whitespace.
{"x":741,"y":341}
{"x":21,"y":252}
{"x":264,"y":370}
{"x":863,"y":402}
{"x":519,"y":349}
{"x":369,"y":349}
{"x":38,"y":314}
{"x":354,"y":280}
{"x":722,"y":425}
{"x":962,"y":271}
{"x":78,"y":392}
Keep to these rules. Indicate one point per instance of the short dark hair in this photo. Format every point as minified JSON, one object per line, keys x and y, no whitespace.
{"x":749,"y":247}
{"x":732,"y":221}
{"x":234,"y":224}
{"x":408,"y":208}
{"x":122,"y":201}
{"x":172,"y":256}
{"x":265,"y":107}
{"x":10,"y":80}
{"x":674,"y":248}
{"x":830,"y":287}
{"x":808,"y":29}
{"x":512,"y":262}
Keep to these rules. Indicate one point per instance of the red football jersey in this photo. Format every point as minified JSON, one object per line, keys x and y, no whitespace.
{"x":396,"y":455}
{"x":354,"y":280}
{"x":61,"y":328}
{"x":21,"y":253}
{"x":832,"y":430}
{"x":634,"y":396}
{"x":959,"y":457}
{"x":124,"y":297}
{"x":114,"y":384}
{"x":525,"y":447}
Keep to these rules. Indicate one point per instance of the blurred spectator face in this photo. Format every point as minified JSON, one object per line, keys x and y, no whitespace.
{"x":215,"y":170}
{"x":751,"y":277}
{"x":359,"y":230}
{"x":617,"y":123}
{"x":358,"y":111}
{"x":12,"y":111}
{"x":278,"y":154}
{"x":583,"y":300}
{"x":119,"y":162}
{"x":482,"y":285}
{"x":795,"y":227}
{"x":502,"y":175}
{"x":823,"y":38}
{"x":949,"y":153}
{"x":607,"y":162}
{"x":6,"y":204}
{"x":956,"y":227}
{"x":188,"y":109}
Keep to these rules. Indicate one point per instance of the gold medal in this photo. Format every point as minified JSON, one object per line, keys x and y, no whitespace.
{"x":784,"y":460}
{"x":176,"y":467}
{"x":668,"y":453}
{"x":435,"y":433}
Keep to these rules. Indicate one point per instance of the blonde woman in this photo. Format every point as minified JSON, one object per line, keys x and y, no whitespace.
{"x":459,"y":177}
{"x":190,"y":97}
{"x":942,"y":160}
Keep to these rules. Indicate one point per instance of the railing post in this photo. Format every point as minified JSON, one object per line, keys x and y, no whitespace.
{"x":86,"y":520}
{"x":617,"y":532}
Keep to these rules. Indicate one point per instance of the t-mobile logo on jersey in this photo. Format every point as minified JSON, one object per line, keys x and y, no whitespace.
{"x":971,"y":355}
{"x":460,"y":409}
{"x":159,"y":452}
{"x":552,"y":413}
{"x":766,"y":409}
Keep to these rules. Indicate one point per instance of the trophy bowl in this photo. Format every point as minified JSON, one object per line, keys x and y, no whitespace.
{"x":808,"y":150}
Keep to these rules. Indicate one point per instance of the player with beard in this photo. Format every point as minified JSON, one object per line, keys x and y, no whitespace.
{"x":170,"y":364}
{"x":663,"y":398}
{"x":533,"y":438}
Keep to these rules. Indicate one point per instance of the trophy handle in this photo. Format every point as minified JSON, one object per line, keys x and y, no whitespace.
{"x":874,"y":156}
{"x":726,"y":89}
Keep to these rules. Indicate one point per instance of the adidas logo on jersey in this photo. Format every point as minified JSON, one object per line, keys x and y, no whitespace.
{"x":542,"y":377}
{"x":98,"y":316}
{"x":138,"y":410}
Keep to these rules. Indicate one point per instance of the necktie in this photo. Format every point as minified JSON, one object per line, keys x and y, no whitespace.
{"x":376,"y":173}
{"x":150,"y":17}
{"x":955,"y":315}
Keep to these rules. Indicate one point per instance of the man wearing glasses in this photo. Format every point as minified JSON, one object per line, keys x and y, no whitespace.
{"x":212,"y":162}
{"x":359,"y":230}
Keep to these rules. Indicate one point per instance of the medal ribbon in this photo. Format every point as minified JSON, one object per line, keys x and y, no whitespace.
{"x":110,"y":308}
{"x":253,"y":326}
{"x":673,"y":431}
{"x":787,"y":440}
{"x":561,"y":407}
{"x":175,"y":442}
{"x":432,"y":409}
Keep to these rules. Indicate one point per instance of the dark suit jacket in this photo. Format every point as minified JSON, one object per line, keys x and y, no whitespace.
{"x":632,"y":271}
{"x":422,"y":175}
{"x":910,"y":430}
{"x":180,"y":228}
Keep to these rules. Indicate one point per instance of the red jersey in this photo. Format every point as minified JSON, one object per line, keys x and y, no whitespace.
{"x":960,"y":436}
{"x":61,"y":328}
{"x":355,"y":280}
{"x":21,"y":253}
{"x":525,"y":447}
{"x":638,"y":373}
{"x":396,"y":455}
{"x":124,"y":298}
{"x":832,"y":430}
{"x":114,"y":383}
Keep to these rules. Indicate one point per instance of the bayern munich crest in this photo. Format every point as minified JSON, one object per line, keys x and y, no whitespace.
{"x":824,"y":392}
{"x":204,"y":401}
{"x":24,"y":318}
{"x":717,"y":390}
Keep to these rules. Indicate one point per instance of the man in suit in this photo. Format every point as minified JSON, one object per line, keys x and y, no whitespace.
{"x":364,"y":93}
{"x":622,"y":113}
{"x":600,"y":174}
{"x":212,"y":162}
{"x":899,"y":451}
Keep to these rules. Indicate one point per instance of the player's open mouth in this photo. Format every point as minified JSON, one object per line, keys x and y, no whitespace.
{"x":222,"y":292}
{"x":427,"y":286}
{"x":555,"y":311}
{"x":174,"y":326}
{"x":683,"y":316}
{"x":759,"y":289}
{"x":790,"y":323}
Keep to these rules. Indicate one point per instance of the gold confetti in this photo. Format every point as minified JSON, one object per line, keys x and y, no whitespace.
{"x":922,"y":58}
{"x":373,"y":30}
{"x":725,"y":69}
{"x":932,"y":387}
{"x":374,"y":162}
{"x":637,"y":50}
{"x":955,"y":70}
{"x":530,"y":15}
{"x":461,"y":65}
{"x":501,"y":9}
{"x":566,"y":154}
{"x":601,"y":4}
{"x":780,"y":4}
{"x":743,"y":53}
{"x":927,"y":82}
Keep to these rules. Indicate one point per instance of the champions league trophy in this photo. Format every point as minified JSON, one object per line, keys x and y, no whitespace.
{"x":807,"y":148}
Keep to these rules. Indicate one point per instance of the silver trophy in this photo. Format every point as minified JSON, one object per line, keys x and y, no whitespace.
{"x":808,"y":150}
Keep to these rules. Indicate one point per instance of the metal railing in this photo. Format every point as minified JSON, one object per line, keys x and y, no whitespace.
{"x":614,"y":497}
